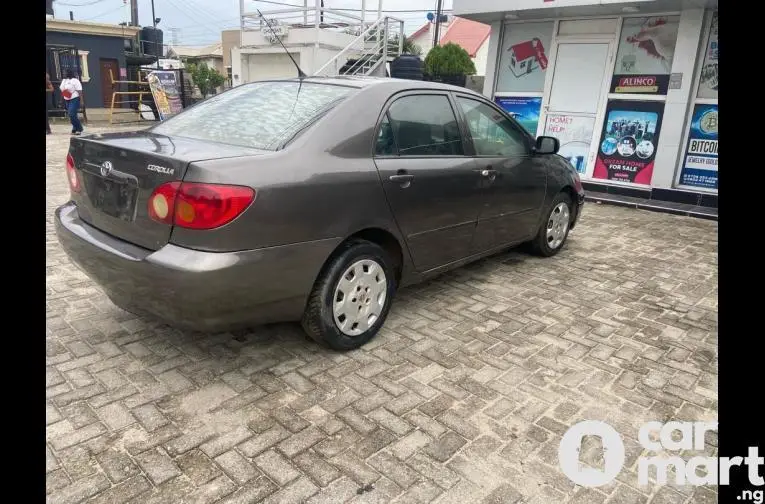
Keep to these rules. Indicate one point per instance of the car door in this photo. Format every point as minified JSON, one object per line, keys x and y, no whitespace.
{"x":431,"y":185}
{"x":515,"y":181}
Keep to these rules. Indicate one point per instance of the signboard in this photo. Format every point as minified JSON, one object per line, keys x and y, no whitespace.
{"x":574,"y":134}
{"x":525,"y":110}
{"x":644,"y":57}
{"x":628,"y":141}
{"x":708,"y":81}
{"x":700,"y":163}
{"x":523,"y":59}
{"x":165,"y":90}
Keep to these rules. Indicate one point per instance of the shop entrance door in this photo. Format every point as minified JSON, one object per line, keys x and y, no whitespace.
{"x":576,"y":98}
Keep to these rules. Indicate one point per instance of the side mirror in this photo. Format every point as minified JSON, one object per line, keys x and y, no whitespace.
{"x":547,"y":145}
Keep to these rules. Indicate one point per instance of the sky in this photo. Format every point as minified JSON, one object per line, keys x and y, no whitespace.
{"x":199,"y":22}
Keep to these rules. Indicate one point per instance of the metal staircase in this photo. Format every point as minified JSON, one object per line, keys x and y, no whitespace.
{"x":380,"y":43}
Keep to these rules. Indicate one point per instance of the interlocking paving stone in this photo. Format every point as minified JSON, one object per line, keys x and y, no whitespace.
{"x":462,"y":397}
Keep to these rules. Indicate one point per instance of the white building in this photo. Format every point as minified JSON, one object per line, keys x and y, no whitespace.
{"x":321,"y":40}
{"x":629,"y":88}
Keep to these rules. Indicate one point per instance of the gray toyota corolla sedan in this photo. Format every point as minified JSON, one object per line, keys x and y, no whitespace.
{"x":309,"y":200}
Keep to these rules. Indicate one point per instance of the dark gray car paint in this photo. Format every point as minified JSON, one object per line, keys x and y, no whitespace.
{"x":323,"y":188}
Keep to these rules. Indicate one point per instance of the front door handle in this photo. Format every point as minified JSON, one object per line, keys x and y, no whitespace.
{"x":404,"y":179}
{"x":487,"y":172}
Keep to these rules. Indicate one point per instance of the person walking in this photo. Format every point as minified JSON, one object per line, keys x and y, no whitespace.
{"x":48,"y":94}
{"x":71,"y":88}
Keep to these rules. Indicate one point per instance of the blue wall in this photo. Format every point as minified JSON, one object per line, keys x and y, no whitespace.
{"x":99,"y":46}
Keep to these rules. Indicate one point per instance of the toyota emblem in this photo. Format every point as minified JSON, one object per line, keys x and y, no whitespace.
{"x":106,"y":168}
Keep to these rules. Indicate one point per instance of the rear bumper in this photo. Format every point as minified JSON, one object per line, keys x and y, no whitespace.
{"x":196,"y":290}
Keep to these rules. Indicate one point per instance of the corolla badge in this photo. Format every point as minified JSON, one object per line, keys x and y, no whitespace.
{"x":106,"y":168}
{"x":160,"y":169}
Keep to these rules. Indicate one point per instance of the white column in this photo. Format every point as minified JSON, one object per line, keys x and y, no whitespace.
{"x":305,"y":12}
{"x":315,"y":57}
{"x":675,"y":110}
{"x":241,"y":21}
{"x":492,"y":60}
{"x":379,"y":9}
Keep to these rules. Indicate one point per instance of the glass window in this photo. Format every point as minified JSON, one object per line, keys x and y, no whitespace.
{"x":262,"y":115}
{"x":708,"y":80}
{"x":645,"y":54}
{"x":492,"y":133}
{"x":386,"y":145}
{"x":523,"y":58}
{"x":425,"y":125}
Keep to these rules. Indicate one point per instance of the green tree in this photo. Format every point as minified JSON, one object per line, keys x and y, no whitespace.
{"x":408,"y":47}
{"x":206,"y":79}
{"x":449,"y":59}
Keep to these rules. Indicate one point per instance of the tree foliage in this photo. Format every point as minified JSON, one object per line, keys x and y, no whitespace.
{"x":449,"y":59}
{"x":206,"y":79}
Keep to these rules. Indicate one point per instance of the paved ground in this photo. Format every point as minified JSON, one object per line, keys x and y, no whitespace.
{"x":462,"y":397}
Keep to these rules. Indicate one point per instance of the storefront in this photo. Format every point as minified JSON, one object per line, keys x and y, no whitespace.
{"x":631,"y":93}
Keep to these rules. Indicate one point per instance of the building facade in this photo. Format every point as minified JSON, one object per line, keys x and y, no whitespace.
{"x":95,"y":51}
{"x":629,"y":88}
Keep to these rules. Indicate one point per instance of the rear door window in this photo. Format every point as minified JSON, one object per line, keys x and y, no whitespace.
{"x":425,"y":125}
{"x":261,"y":115}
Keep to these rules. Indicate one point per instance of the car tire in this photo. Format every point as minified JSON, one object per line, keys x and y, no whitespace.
{"x":554,"y":229}
{"x":356,"y":287}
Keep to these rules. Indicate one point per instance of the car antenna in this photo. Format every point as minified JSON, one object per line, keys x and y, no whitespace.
{"x":301,"y":74}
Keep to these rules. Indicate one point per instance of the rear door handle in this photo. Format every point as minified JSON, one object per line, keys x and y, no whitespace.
{"x":402,"y":178}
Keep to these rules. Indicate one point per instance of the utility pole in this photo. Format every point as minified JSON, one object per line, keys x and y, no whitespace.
{"x":133,"y":12}
{"x":436,"y":37}
{"x":156,"y":38}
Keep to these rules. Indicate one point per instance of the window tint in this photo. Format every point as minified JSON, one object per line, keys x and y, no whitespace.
{"x":492,"y":133}
{"x":425,"y":125}
{"x":260,"y":115}
{"x":386,"y":145}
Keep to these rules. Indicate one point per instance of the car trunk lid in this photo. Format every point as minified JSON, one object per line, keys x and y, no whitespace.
{"x":119,"y":172}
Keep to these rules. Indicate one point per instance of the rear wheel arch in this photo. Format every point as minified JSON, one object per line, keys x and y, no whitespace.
{"x":384,"y":239}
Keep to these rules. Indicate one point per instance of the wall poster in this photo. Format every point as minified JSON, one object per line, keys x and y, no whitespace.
{"x":700,"y":162}
{"x":628,"y":141}
{"x":644,"y":57}
{"x":525,"y":110}
{"x":708,"y":80}
{"x":523,"y":57}
{"x":574,"y":132}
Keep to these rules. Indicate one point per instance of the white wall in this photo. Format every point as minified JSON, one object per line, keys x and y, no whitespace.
{"x":270,"y":66}
{"x":674,"y":124}
{"x":481,"y":57}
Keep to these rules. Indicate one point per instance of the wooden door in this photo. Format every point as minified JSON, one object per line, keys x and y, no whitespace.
{"x":107,"y":65}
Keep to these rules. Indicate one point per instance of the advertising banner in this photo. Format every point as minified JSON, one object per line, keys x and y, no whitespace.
{"x":574,"y":132}
{"x":628,"y":142}
{"x":644,"y":57}
{"x":165,"y":90}
{"x":525,"y":110}
{"x":700,"y":162}
{"x":524,"y":57}
{"x":708,"y":81}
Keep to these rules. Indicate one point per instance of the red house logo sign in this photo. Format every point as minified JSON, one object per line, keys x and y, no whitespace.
{"x":526,"y":57}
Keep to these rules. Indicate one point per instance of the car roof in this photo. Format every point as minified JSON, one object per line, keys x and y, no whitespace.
{"x":393,"y":85}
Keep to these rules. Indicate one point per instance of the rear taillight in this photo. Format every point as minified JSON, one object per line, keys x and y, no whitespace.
{"x":71,"y":174}
{"x":198,"y":206}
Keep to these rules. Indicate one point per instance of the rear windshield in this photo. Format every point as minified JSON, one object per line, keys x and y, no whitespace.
{"x":261,"y":115}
